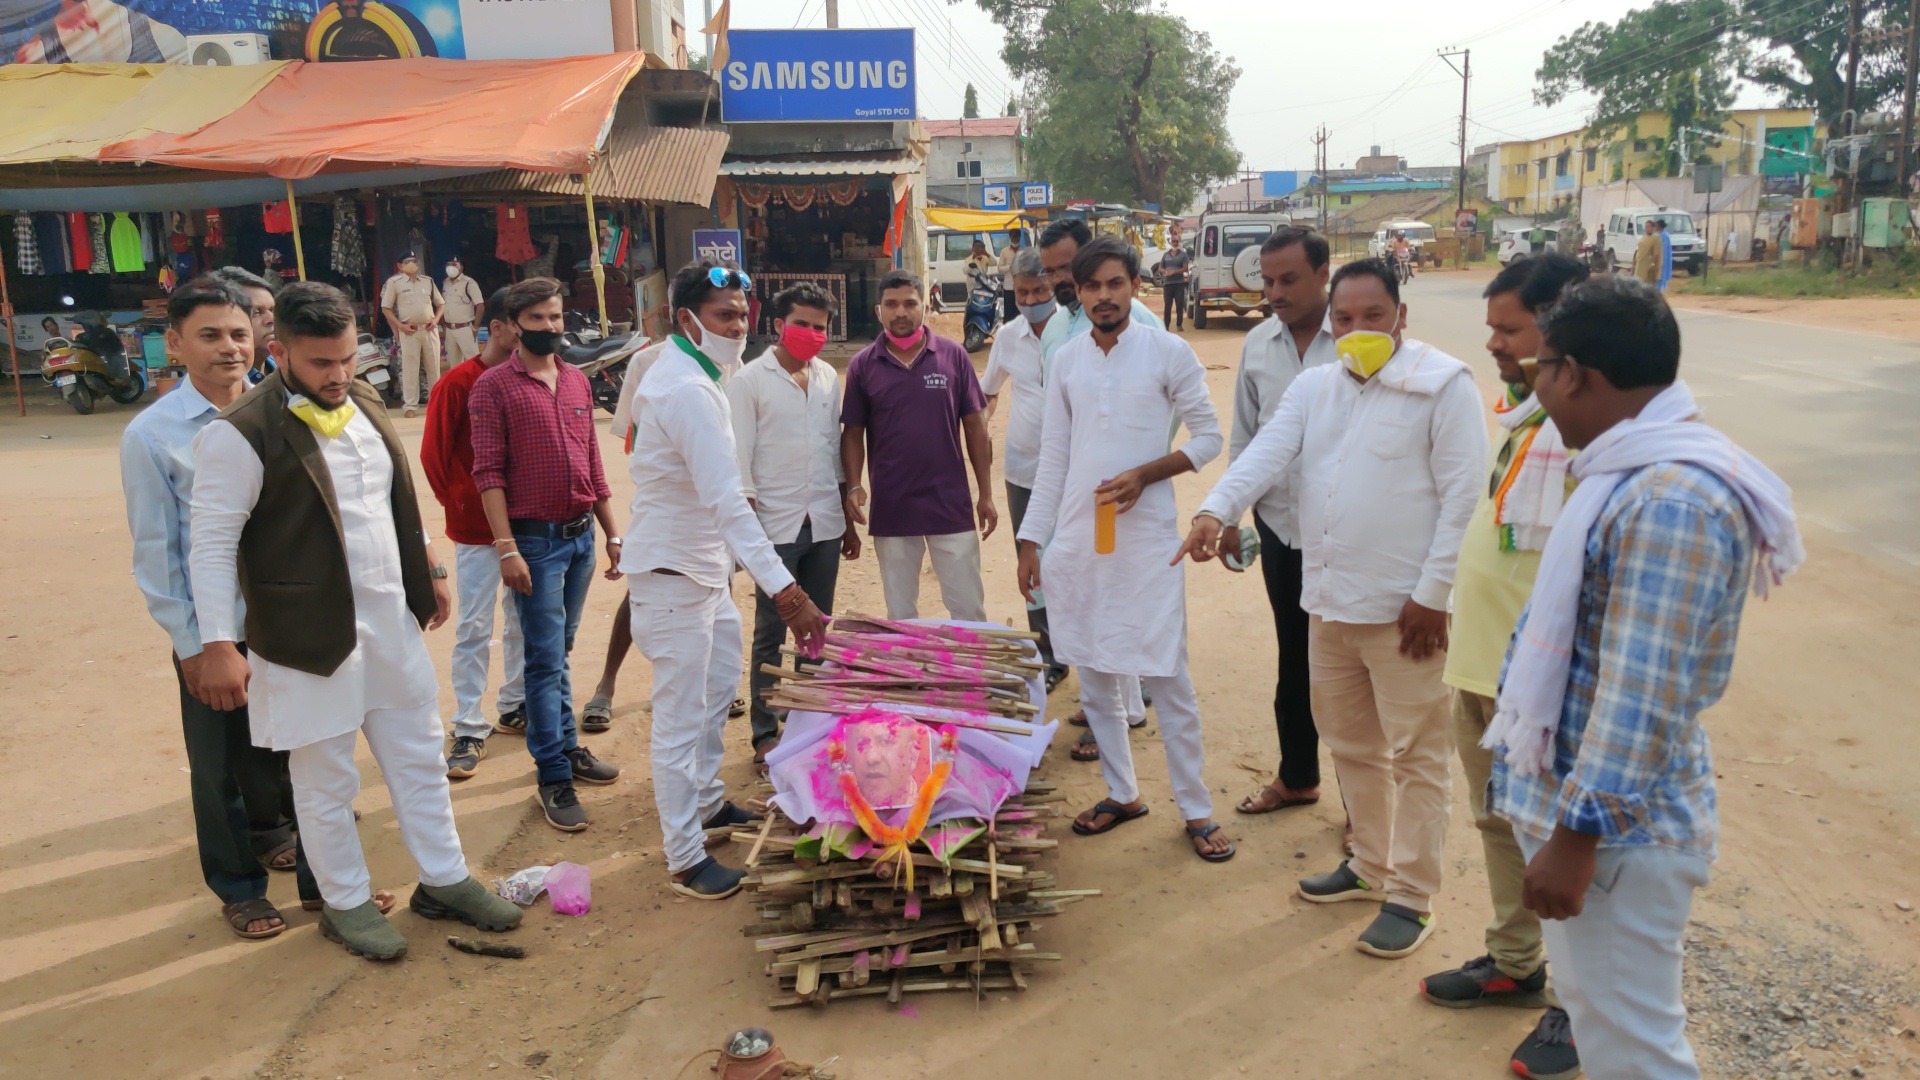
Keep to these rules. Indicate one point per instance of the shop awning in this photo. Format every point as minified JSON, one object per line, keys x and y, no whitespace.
{"x":67,"y":112}
{"x":947,"y":217}
{"x":642,"y":163}
{"x":544,"y":115}
{"x":882,"y":163}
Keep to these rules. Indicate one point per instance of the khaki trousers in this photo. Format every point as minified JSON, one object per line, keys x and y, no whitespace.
{"x":956,"y":564}
{"x":415,"y":348}
{"x":1513,"y":937}
{"x":1384,"y":718}
{"x":462,"y":345}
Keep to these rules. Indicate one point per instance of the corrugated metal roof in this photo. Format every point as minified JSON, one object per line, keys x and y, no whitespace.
{"x":642,"y":163}
{"x":887,"y":163}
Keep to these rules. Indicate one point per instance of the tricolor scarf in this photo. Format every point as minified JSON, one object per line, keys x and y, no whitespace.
{"x":1533,"y":691}
{"x":1531,"y":483}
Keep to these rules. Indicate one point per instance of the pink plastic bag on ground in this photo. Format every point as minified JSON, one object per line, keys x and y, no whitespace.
{"x":570,"y":887}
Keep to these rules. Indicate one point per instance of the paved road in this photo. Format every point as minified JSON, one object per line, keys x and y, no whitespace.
{"x":1836,"y":414}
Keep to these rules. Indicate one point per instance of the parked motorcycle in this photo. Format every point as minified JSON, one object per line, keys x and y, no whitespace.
{"x":374,"y":364}
{"x":983,"y":313}
{"x":91,"y":365}
{"x":604,"y":363}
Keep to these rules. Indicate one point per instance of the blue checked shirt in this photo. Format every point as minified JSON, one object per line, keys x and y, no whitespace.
{"x":1667,"y":568}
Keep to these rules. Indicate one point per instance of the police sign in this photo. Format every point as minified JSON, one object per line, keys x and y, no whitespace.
{"x":776,"y":75}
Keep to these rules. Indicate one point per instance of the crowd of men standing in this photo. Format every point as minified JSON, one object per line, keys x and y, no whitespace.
{"x":1425,"y":603}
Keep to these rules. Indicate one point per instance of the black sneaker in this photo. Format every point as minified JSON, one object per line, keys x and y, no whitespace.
{"x":588,"y":769}
{"x":729,"y":816}
{"x":1548,"y":1053}
{"x":464,"y":759}
{"x":512,"y":723}
{"x":562,"y":806}
{"x":1396,"y":932}
{"x":1335,"y":886}
{"x":1481,"y":982}
{"x":711,"y":880}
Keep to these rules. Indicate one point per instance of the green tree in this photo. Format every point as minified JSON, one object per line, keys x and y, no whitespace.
{"x":1802,"y":52}
{"x":971,"y":108}
{"x":1013,"y":106}
{"x":1130,"y":102}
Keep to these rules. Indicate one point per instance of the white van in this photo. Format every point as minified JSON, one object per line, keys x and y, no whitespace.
{"x":1418,"y":233}
{"x":1226,"y":263}
{"x":947,"y":252}
{"x":1625,"y":227}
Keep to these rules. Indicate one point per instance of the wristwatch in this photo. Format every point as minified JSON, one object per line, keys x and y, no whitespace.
{"x":437,"y":573}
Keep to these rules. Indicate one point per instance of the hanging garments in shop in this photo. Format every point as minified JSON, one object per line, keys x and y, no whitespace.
{"x":125,"y":245}
{"x":277,"y":217}
{"x":27,"y":245}
{"x":55,"y":256}
{"x":349,"y":258}
{"x":80,"y":235}
{"x":101,"y":252}
{"x":515,"y":244}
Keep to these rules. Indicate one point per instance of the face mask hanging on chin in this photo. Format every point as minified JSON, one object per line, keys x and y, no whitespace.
{"x":725,"y":352}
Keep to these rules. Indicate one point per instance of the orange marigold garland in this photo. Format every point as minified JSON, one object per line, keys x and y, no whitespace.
{"x":895,"y":842}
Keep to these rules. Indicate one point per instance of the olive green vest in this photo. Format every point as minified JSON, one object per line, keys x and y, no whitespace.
{"x":293,"y":560}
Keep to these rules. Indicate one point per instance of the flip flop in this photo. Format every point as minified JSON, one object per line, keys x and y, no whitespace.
{"x":383,"y":901}
{"x":1202,"y":833}
{"x":1120,"y":816}
{"x":1086,"y":749}
{"x":597,"y":716}
{"x":1078,"y":719}
{"x":284,"y":856}
{"x":242,"y":912}
{"x":1283,"y":804}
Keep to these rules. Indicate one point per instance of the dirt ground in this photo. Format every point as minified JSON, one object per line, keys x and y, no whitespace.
{"x":1889,"y":318}
{"x":119,"y":965}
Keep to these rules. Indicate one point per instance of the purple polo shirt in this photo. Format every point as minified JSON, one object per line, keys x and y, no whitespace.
{"x":915,"y":463}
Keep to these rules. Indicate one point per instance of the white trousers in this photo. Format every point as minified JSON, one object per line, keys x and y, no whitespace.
{"x":476,"y":572}
{"x":462,"y":345}
{"x":421,"y":346}
{"x":1104,"y":696}
{"x":691,"y":635}
{"x":956,"y":563}
{"x":1616,"y":966}
{"x":406,"y":744}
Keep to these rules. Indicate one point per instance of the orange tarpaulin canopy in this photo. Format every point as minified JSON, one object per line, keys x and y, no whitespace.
{"x":544,"y":115}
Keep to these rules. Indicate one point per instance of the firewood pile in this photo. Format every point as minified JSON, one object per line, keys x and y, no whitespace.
{"x":836,"y":926}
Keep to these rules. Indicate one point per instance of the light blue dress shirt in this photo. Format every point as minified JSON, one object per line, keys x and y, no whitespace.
{"x":1059,"y":331}
{"x":156,"y":473}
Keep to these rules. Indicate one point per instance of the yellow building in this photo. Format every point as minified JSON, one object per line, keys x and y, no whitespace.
{"x":1540,"y":176}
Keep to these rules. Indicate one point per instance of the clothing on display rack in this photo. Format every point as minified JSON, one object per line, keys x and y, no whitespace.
{"x":55,"y":255}
{"x":125,"y":245}
{"x":27,"y":245}
{"x":515,"y":243}
{"x":101,"y":253}
{"x":277,"y":217}
{"x":80,"y":235}
{"x":349,"y":252}
{"x":216,"y":236}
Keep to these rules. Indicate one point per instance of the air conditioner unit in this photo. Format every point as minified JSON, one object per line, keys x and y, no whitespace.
{"x":227,"y":50}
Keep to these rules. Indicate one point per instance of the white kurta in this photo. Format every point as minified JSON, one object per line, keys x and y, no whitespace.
{"x":389,"y":667}
{"x":1106,"y":413}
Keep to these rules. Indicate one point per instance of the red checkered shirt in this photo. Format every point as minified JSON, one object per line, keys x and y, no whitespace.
{"x":540,"y":445}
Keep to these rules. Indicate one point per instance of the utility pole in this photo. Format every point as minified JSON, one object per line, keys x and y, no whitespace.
{"x":833,"y":14}
{"x":1320,"y":170}
{"x":1853,"y":61}
{"x":1902,"y":171}
{"x":1465,"y":71}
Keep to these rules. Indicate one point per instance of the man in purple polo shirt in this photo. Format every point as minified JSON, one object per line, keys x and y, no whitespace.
{"x":910,"y":399}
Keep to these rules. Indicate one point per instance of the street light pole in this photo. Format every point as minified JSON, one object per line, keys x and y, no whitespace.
{"x":1465,"y":70}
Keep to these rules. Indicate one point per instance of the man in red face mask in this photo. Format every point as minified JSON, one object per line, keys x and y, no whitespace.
{"x":786,"y":427}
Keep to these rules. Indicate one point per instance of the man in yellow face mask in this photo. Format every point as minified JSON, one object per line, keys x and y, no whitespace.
{"x":1392,"y":454}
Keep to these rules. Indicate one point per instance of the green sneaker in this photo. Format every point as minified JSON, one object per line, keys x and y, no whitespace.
{"x":1396,"y":932}
{"x":364,"y":931}
{"x":1335,"y":886}
{"x":470,"y":902}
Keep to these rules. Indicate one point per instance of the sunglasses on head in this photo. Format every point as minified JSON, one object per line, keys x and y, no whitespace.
{"x":724,"y":278}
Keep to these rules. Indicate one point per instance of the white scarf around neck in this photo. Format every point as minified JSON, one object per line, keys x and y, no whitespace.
{"x":1533,"y":694}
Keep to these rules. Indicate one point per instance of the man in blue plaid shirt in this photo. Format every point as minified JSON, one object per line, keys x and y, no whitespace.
{"x":1619,"y":827}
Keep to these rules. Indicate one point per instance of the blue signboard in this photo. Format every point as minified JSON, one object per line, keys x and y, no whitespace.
{"x":774,"y":75}
{"x":720,"y":245}
{"x":1276,"y":183}
{"x":1036,"y":195}
{"x":996,"y":196}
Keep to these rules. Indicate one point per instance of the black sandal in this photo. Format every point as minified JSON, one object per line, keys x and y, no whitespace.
{"x":1120,"y":814}
{"x":1204,"y":831}
{"x":258,"y":909}
{"x":283,"y":856}
{"x":1086,"y":749}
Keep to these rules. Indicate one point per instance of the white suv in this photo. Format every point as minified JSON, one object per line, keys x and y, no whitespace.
{"x":1625,"y":227}
{"x":1226,"y":263}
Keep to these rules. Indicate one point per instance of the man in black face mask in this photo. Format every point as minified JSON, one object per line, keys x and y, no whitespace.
{"x":536,"y":464}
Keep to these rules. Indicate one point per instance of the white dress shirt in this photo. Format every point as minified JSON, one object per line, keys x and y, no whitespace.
{"x":1016,"y":359}
{"x":1390,"y":472}
{"x":1269,"y":362}
{"x":389,"y":667}
{"x":1107,"y":412}
{"x":690,"y":514}
{"x":637,"y":368}
{"x":788,"y":440}
{"x":156,"y":474}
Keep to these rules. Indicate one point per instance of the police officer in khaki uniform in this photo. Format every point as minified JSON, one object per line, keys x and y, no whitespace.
{"x":462,"y":313}
{"x":413,"y":307}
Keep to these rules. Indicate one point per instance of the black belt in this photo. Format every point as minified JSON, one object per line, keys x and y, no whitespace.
{"x":553,"y":530}
{"x":458,"y":325}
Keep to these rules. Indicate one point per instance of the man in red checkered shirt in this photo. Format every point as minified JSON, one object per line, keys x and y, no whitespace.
{"x":536,"y":463}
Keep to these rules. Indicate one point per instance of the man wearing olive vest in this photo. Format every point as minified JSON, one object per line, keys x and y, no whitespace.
{"x":304,"y":504}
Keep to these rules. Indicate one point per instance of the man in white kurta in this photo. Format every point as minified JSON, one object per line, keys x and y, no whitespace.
{"x":386,"y":685}
{"x":1112,"y":396}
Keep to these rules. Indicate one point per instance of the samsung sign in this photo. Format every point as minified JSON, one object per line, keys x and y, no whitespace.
{"x":774,"y":75}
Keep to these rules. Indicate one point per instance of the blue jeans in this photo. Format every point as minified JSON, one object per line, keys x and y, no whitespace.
{"x":561,"y":570}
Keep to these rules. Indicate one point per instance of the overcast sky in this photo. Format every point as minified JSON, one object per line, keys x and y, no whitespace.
{"x":1368,"y":71}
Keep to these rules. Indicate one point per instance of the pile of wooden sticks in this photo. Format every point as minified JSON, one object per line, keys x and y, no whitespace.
{"x":870,"y":661}
{"x":848,"y":928}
